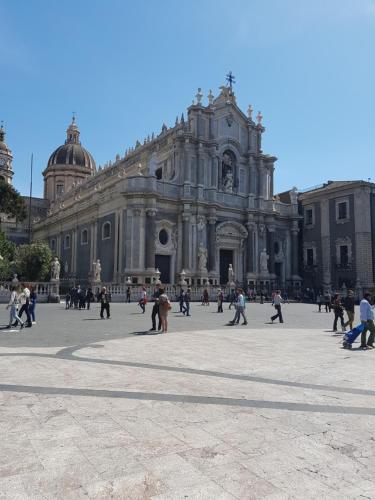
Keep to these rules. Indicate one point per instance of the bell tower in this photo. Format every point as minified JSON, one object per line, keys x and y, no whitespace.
{"x":6,"y":158}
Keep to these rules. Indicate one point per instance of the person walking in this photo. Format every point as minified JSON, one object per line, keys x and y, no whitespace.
{"x":338,"y":311}
{"x":33,"y":298}
{"x":155,"y":309}
{"x":13,"y":305}
{"x":349,"y":305}
{"x":206,"y":300}
{"x":277,"y":300}
{"x":89,"y":298}
{"x":186,"y":306}
{"x":240,"y":308}
{"x":25,"y":301}
{"x":319,"y":300}
{"x":367,"y":319}
{"x":128,"y":294}
{"x":181,"y":300}
{"x":164,"y":308}
{"x":220,"y":300}
{"x":327,"y":301}
{"x":143,"y":300}
{"x":103,"y":298}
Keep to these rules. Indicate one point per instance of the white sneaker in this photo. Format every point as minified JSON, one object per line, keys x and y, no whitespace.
{"x":33,"y":322}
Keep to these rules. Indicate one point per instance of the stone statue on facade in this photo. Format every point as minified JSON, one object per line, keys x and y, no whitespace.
{"x":202,"y":259}
{"x":227,"y":173}
{"x":96,"y":270}
{"x":231,"y":277}
{"x":293,"y":193}
{"x":263,"y":259}
{"x":228,"y":183}
{"x":55,"y":269}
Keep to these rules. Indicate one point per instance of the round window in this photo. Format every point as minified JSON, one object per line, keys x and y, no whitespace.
{"x":163,"y":237}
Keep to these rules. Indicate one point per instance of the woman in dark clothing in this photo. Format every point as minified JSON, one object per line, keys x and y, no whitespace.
{"x":338,"y":311}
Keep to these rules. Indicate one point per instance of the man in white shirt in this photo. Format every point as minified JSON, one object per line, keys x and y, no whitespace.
{"x":367,"y":318}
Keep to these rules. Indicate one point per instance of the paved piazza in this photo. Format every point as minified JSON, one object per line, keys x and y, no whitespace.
{"x":98,"y":409}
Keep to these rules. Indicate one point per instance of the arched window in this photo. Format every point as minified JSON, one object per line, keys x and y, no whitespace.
{"x":159,"y":173}
{"x":106,"y":230}
{"x":59,"y":189}
{"x":84,"y":237}
{"x":67,"y":241}
{"x":53,"y":244}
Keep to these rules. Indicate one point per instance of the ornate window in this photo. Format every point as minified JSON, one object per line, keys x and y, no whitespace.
{"x":59,"y":189}
{"x":309,"y":254}
{"x":163,"y":237}
{"x":342,"y":210}
{"x":67,"y":242}
{"x":159,"y":173}
{"x":343,"y":251}
{"x":106,"y":230}
{"x":84,"y":237}
{"x":309,"y":216}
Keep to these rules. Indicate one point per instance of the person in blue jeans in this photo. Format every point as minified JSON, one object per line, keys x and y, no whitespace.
{"x":186,"y":305}
{"x":33,"y":297}
{"x":240,"y":308}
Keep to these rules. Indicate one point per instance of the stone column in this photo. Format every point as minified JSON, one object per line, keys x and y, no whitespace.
{"x":271,"y":242}
{"x":212,"y":243}
{"x":295,"y":252}
{"x":250,"y":247}
{"x":186,"y":240}
{"x":150,"y":238}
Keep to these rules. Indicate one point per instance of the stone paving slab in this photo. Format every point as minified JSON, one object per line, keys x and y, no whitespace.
{"x":205,"y":411}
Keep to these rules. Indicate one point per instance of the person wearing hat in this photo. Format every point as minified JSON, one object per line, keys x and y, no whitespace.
{"x":349,"y":303}
{"x":103,"y":298}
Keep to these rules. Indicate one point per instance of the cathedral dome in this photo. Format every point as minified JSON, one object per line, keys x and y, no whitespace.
{"x":72,"y":153}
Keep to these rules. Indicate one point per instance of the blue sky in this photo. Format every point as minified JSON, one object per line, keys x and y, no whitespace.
{"x":126,"y":67}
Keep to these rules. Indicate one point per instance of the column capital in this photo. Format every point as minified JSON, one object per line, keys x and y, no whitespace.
{"x":212,"y":220}
{"x":151,"y":212}
{"x":271,"y":228}
{"x":186,"y":217}
{"x":251,"y":225}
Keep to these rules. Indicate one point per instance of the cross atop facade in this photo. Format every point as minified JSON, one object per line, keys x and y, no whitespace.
{"x":74,"y":116}
{"x":230,"y":79}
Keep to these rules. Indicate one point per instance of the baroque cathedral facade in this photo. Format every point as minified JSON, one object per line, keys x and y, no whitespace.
{"x":188,"y":202}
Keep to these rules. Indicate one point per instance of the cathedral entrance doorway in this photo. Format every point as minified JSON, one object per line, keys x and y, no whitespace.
{"x":163,"y":263}
{"x":226,"y":258}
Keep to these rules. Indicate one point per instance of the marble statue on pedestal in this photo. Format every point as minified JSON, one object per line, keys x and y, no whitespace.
{"x":202,"y":259}
{"x":55,"y":269}
{"x":96,"y":270}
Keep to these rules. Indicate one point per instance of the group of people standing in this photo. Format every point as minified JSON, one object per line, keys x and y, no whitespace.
{"x":22,"y":300}
{"x":79,"y":298}
{"x":347,"y":304}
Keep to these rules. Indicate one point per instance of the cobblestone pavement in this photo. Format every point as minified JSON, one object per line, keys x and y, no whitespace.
{"x":101,"y":409}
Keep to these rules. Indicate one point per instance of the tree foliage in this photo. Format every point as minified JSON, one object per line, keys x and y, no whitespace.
{"x":11,"y":202}
{"x":33,"y":262}
{"x":7,"y":248}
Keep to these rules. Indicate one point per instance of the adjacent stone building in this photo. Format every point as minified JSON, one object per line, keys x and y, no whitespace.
{"x":18,"y":232}
{"x":339,"y":235}
{"x":191,"y":200}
